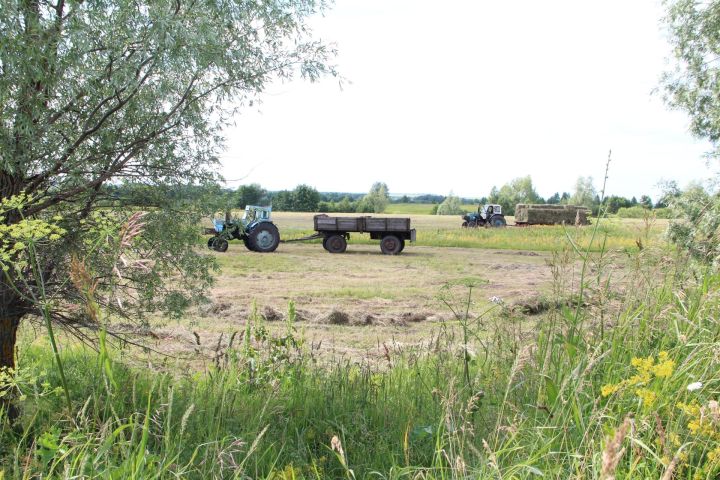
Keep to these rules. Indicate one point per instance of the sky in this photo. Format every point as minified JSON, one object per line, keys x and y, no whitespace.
{"x":460,"y":96}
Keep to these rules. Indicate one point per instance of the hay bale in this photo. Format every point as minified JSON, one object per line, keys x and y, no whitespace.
{"x":414,"y":317}
{"x":335,"y":317}
{"x":364,"y":320}
{"x":213,"y":308}
{"x":270,"y":314}
{"x":551,"y":214}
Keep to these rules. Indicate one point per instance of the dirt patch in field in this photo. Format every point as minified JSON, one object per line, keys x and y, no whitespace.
{"x":521,"y":253}
{"x":351,"y":304}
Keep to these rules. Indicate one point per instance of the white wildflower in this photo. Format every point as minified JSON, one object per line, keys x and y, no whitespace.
{"x":694,"y":386}
{"x":496,"y":300}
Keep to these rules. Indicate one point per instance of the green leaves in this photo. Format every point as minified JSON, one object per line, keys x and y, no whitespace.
{"x":97,"y":93}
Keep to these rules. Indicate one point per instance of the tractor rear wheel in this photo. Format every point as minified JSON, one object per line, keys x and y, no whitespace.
{"x":211,"y":240}
{"x":264,"y":238}
{"x":390,"y":245}
{"x":498,"y":221}
{"x":335,"y":244}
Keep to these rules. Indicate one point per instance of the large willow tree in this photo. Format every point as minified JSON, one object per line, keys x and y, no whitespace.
{"x":97,"y":92}
{"x":693,"y":86}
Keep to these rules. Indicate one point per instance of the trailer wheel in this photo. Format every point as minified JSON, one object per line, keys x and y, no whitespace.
{"x":402,"y":245}
{"x":335,"y":244}
{"x":390,"y":245}
{"x":264,"y":238}
{"x":324,"y":243}
{"x":220,"y":244}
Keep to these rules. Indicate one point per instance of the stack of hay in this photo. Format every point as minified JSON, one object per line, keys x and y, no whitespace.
{"x":551,"y":214}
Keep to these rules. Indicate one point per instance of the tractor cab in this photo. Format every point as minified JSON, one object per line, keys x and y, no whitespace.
{"x":255,"y":214}
{"x":488,"y":210}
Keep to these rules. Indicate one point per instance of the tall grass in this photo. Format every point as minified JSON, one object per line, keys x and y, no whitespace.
{"x":619,"y":235}
{"x":624,"y":382}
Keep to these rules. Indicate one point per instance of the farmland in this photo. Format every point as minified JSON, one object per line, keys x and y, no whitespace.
{"x":310,"y":365}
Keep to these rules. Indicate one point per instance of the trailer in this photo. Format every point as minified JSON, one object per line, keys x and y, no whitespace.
{"x":335,"y":232}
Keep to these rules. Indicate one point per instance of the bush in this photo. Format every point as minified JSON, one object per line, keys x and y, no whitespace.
{"x":641,"y":212}
{"x":697,"y":228}
{"x":450,"y":206}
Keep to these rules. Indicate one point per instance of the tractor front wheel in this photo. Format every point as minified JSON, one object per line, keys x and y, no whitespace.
{"x":220,"y":244}
{"x":472,"y":224}
{"x":264,"y":238}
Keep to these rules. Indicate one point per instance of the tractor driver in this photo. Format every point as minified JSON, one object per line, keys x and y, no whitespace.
{"x":489,"y":211}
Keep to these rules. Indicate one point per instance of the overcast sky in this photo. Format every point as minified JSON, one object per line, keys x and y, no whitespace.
{"x":463,"y":95}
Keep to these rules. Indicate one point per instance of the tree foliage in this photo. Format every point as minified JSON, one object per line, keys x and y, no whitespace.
{"x":697,"y":228}
{"x":303,"y":198}
{"x":92,"y":93}
{"x":585,"y":192}
{"x":519,"y":190}
{"x":450,"y":206}
{"x":691,"y":85}
{"x":376,"y":201}
{"x":252,"y":194}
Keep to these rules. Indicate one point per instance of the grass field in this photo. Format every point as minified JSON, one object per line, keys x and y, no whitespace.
{"x":474,"y":354}
{"x":446,"y":231}
{"x":419,"y":208}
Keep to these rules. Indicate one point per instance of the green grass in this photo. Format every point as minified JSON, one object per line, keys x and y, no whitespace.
{"x":410,"y":208}
{"x":496,"y":399}
{"x":614,"y":234}
{"x":419,"y":208}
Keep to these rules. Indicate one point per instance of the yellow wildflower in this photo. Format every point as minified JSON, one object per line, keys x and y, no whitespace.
{"x":664,"y":369}
{"x":692,"y":409}
{"x":647,"y":396}
{"x":714,"y":455}
{"x":609,"y":389}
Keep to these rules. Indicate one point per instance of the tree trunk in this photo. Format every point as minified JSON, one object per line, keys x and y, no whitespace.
{"x":8,"y":337}
{"x":11,"y":312}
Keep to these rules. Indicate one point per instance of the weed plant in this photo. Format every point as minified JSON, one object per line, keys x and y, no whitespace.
{"x":619,"y":383}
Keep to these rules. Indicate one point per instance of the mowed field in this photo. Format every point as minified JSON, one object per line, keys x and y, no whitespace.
{"x":360,"y":301}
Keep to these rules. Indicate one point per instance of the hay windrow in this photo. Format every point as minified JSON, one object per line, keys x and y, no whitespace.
{"x":271,"y":315}
{"x":334,"y":317}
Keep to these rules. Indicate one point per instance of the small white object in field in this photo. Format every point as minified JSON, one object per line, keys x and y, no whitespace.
{"x":694,"y":386}
{"x":496,"y":300}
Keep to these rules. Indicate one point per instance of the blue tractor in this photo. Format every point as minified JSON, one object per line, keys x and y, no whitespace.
{"x":255,"y":229}
{"x":489,"y":215}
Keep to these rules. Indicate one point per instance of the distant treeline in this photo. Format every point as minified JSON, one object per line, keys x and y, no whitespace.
{"x":305,"y":198}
